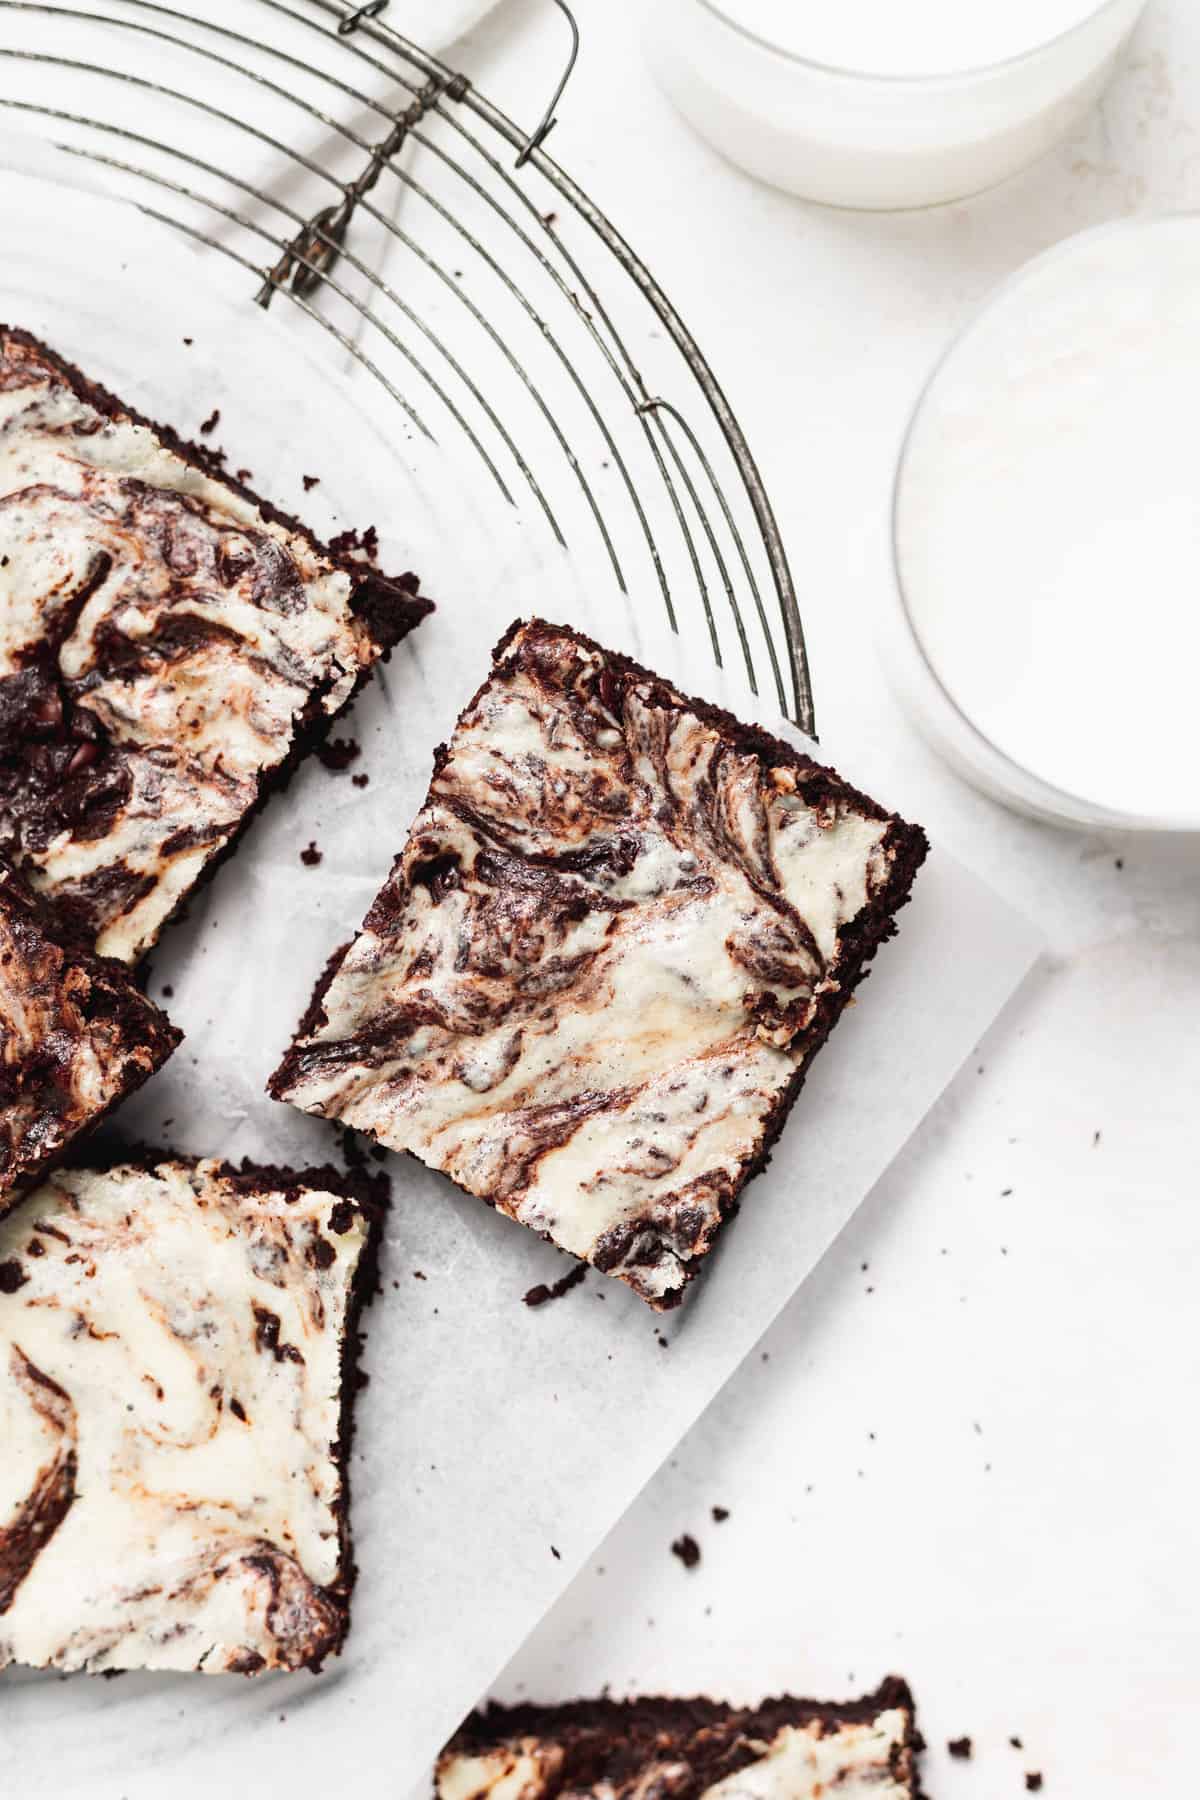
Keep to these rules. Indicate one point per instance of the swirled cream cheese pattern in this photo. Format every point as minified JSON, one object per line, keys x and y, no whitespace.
{"x":620,"y":927}
{"x":172,"y":1374}
{"x":165,"y":642}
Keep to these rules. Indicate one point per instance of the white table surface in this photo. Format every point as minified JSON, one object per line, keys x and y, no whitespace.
{"x":972,"y":1454}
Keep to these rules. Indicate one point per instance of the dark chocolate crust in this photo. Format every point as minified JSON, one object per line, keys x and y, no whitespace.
{"x":77,"y":996}
{"x":613,"y":1741}
{"x":386,"y":607}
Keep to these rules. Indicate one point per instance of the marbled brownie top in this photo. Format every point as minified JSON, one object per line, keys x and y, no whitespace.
{"x":165,"y":641}
{"x":620,"y":925}
{"x":176,"y":1360}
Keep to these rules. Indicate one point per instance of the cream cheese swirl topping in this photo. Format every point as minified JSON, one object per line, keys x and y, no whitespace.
{"x":599,"y":965}
{"x":170,"y":1400}
{"x":160,"y":641}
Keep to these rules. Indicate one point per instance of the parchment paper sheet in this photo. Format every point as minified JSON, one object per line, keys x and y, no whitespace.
{"x":496,"y":1444}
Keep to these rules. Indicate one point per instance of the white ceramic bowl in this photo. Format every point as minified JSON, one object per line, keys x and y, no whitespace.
{"x":856,"y":139}
{"x":1044,"y":629}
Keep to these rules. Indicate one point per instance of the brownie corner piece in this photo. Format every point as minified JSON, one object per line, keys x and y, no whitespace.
{"x":622,"y":926}
{"x":172,"y":645}
{"x":785,"y":1749}
{"x":76,"y":1037}
{"x":178,"y":1364}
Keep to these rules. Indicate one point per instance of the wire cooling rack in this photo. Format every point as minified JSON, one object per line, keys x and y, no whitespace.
{"x":357,"y":178}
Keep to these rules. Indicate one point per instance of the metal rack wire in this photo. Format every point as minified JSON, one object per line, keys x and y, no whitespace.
{"x":371,"y":186}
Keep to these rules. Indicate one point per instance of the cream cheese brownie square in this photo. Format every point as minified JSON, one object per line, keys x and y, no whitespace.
{"x":170,"y":645}
{"x":593,"y":983}
{"x":785,"y":1749}
{"x":178,"y":1344}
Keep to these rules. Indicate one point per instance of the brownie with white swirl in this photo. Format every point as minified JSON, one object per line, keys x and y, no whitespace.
{"x":590,"y":989}
{"x":178,"y":1350}
{"x":76,"y":1036}
{"x":656,"y":1749}
{"x":170,"y":645}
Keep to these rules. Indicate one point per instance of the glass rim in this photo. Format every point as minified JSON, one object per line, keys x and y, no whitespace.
{"x":969,"y":72}
{"x":1051,"y":793}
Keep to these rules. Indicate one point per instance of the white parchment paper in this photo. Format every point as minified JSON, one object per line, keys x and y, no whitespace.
{"x":496,"y":1444}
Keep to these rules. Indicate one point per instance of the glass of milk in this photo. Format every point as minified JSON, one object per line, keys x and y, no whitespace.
{"x":885,"y":103}
{"x":1045,"y":631}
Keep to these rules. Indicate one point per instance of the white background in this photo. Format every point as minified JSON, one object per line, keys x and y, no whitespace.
{"x":1019,"y":1535}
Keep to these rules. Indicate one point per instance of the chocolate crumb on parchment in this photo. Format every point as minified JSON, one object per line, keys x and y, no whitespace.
{"x":337,"y":754}
{"x":212,"y":421}
{"x":687,"y":1550}
{"x":1034,"y":1782}
{"x":311,"y":856}
{"x":961,"y":1747}
{"x":538,"y":1296}
{"x":720,"y":1514}
{"x":310,"y":482}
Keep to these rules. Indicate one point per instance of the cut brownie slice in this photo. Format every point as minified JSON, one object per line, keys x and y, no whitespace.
{"x":598,"y":972}
{"x":76,"y":1036}
{"x":177,"y":1366}
{"x":169,"y":645}
{"x":688,"y":1750}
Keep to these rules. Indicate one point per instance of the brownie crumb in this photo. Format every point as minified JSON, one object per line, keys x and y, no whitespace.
{"x":212,"y":421}
{"x":12,"y":1277}
{"x":364,"y":545}
{"x":338,"y":753}
{"x":961,"y":1748}
{"x":554,"y":1553}
{"x":310,"y":482}
{"x":720,"y":1514}
{"x":311,"y":857}
{"x":360,"y":781}
{"x":352,"y":1147}
{"x":687,"y":1550}
{"x":550,"y":220}
{"x":419,"y":1275}
{"x":663,"y":1343}
{"x":244,"y":474}
{"x":1033,"y":1782}
{"x":538,"y":1296}
{"x":1016,"y":1743}
{"x":168,"y":991}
